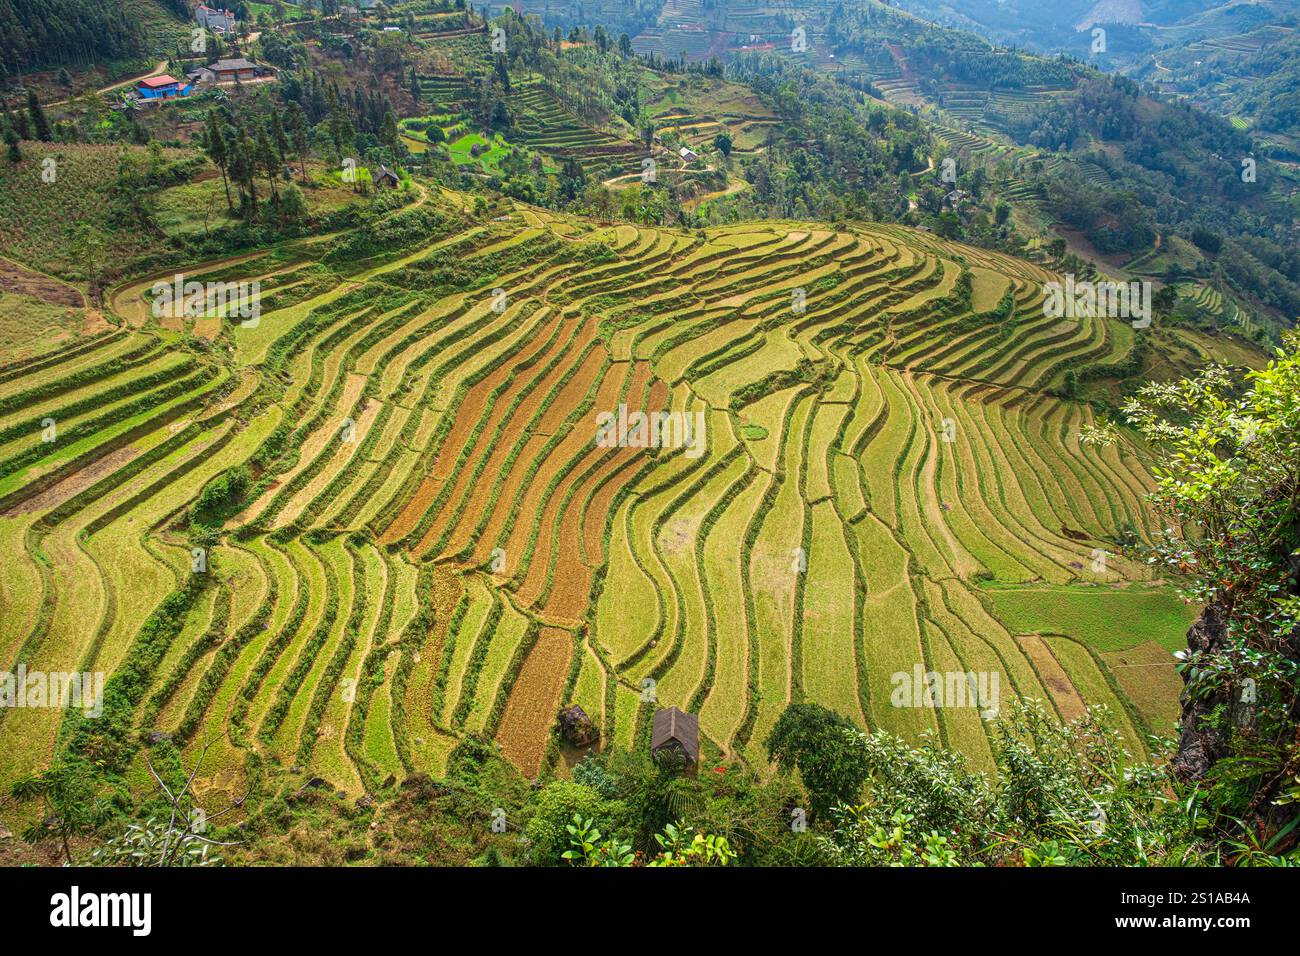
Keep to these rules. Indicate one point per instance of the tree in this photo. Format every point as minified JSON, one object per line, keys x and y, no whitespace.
{"x":20,"y":123}
{"x":266,"y":159}
{"x":243,"y":170}
{"x":293,"y":206}
{"x":1164,"y":300}
{"x":279,"y":139}
{"x":295,"y":124}
{"x":89,"y":247}
{"x":40,"y":125}
{"x":11,"y":140}
{"x":73,"y":807}
{"x":341,"y":130}
{"x":1228,"y":491}
{"x":722,"y":143}
{"x":215,"y":147}
{"x":388,"y":133}
{"x":828,"y":750}
{"x":180,"y":841}
{"x":624,"y":45}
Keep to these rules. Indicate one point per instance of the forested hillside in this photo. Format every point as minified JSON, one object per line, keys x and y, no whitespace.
{"x":37,"y":34}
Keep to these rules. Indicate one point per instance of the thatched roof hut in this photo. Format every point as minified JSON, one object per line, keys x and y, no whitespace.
{"x":676,"y":733}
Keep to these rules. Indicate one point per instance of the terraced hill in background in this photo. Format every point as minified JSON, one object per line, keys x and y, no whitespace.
{"x":435,"y":544}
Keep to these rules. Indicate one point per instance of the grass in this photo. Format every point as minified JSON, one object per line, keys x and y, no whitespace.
{"x":1104,"y":618}
{"x":37,"y":218}
{"x":491,"y":151}
{"x":195,"y":208}
{"x":31,"y":327}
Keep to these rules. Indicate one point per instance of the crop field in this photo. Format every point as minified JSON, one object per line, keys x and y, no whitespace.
{"x":500,"y":464}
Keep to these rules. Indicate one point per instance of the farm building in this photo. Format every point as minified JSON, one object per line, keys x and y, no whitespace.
{"x":676,"y":734}
{"x":385,"y":177}
{"x":162,"y":87}
{"x":230,"y":71}
{"x":688,"y":155}
{"x":216,"y":19}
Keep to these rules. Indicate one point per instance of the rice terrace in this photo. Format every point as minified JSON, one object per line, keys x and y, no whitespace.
{"x":884,"y":482}
{"x":656,"y":434}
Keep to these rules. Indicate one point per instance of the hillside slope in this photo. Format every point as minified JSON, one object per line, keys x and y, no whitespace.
{"x":432,"y":539}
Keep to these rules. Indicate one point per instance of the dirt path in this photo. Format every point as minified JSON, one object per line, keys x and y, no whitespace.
{"x":160,"y":68}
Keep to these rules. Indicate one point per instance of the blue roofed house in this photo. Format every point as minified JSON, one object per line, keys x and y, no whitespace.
{"x":162,"y":87}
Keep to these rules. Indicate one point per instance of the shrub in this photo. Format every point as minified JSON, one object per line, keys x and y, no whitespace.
{"x":554,"y":809}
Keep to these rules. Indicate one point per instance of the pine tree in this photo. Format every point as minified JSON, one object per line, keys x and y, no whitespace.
{"x":341,"y":131}
{"x":279,"y":138}
{"x":293,"y":206}
{"x":296,"y":126}
{"x":216,"y":150}
{"x":266,"y":159}
{"x":388,"y":133}
{"x":20,"y":123}
{"x":11,"y":140}
{"x":40,"y":125}
{"x":243,"y":167}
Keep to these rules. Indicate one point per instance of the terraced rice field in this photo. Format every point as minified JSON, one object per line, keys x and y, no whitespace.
{"x":437,"y":543}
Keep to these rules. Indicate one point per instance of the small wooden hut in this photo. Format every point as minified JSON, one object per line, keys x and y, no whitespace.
{"x":675,"y":735}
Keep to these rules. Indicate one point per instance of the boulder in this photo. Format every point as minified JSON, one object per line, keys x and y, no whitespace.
{"x":577,"y":729}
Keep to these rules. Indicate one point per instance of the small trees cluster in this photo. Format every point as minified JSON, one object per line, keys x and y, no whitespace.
{"x":246,"y":151}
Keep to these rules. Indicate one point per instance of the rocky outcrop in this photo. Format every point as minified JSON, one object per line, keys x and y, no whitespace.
{"x":1202,"y":742}
{"x":1200,"y":745}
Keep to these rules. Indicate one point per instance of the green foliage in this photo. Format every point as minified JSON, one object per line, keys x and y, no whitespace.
{"x":701,"y":849}
{"x":222,"y":497}
{"x":1228,"y":484}
{"x":831,"y":754}
{"x":1063,"y":794}
{"x":553,"y":811}
{"x":587,"y":846}
{"x":860,"y":840}
{"x":1229,"y":473}
{"x":73,"y":805}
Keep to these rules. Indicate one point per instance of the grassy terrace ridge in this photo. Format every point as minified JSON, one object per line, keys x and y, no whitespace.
{"x":434,"y":540}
